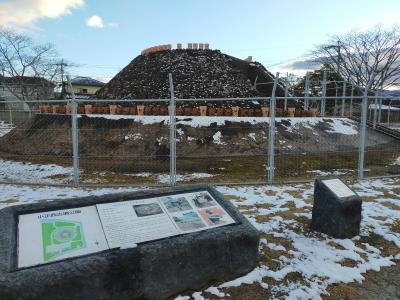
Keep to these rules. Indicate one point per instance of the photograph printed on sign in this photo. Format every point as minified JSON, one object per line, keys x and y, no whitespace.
{"x":215,"y":216}
{"x":150,"y":209}
{"x":203,"y":199}
{"x":188,"y":221}
{"x":176,"y":204}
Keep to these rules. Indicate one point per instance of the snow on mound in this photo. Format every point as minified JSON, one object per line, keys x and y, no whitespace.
{"x":5,"y":128}
{"x":337,"y":125}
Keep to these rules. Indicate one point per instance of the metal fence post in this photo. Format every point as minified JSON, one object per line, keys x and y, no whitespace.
{"x":11,"y":117}
{"x":336,"y":95}
{"x":172,"y":133}
{"x":323,"y":102}
{"x":343,"y":98}
{"x":306,"y":91}
{"x":286,"y":93}
{"x":375,"y":110}
{"x":75,"y":141}
{"x":351,"y":100}
{"x":380,"y":108}
{"x":363,"y":126}
{"x":271,"y":136}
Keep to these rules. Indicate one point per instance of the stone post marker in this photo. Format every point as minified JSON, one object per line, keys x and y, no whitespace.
{"x":138,"y":245}
{"x":336,"y":210}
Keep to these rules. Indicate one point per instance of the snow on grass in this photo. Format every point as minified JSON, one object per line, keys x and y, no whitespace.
{"x":21,"y":194}
{"x":336,"y":172}
{"x":282,"y":215}
{"x":15,"y":171}
{"x":165,"y":178}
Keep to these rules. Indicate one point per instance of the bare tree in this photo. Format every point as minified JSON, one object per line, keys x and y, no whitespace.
{"x":27,"y":70}
{"x":361,"y":57}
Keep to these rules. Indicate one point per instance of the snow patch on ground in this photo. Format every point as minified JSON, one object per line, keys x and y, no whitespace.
{"x":316,"y":257}
{"x":15,"y":171}
{"x":165,"y":178}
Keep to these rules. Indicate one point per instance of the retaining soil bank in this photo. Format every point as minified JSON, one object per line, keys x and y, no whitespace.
{"x":117,"y":136}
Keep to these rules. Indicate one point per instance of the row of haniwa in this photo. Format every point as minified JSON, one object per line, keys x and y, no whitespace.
{"x":150,"y":110}
{"x":166,"y":47}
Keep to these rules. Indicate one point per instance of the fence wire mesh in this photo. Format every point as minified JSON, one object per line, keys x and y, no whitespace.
{"x":224,"y":141}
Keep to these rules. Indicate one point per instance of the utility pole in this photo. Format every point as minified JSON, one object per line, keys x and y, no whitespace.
{"x":62,"y":64}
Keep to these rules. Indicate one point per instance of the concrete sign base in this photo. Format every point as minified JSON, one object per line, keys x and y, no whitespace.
{"x":154,"y":269}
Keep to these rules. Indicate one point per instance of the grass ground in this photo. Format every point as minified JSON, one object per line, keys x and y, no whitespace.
{"x":294,"y":261}
{"x":298,"y":263}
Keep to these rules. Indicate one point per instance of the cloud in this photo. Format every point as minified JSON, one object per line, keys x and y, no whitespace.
{"x":113,"y":25}
{"x":95,"y":21}
{"x":24,"y":13}
{"x":297,"y":67}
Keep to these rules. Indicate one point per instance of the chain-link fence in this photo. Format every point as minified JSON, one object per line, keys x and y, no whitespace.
{"x":161,"y":142}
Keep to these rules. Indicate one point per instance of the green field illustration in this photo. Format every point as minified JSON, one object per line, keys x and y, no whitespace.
{"x":61,"y":237}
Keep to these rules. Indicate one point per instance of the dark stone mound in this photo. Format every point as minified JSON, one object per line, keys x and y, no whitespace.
{"x":337,"y":216}
{"x":196,"y":74}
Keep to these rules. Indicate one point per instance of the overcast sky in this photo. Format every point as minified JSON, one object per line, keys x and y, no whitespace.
{"x":103,"y":36}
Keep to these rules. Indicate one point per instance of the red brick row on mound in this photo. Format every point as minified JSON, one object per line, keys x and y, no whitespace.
{"x":180,"y":110}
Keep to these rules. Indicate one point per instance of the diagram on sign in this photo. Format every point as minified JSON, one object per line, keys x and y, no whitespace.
{"x":61,"y":237}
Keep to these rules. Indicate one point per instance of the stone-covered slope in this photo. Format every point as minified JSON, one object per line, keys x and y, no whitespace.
{"x":196,"y":74}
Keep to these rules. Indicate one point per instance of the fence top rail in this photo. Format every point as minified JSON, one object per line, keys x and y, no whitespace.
{"x":310,"y":98}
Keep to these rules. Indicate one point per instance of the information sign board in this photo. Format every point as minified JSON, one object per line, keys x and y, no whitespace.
{"x":50,"y":236}
{"x":45,"y":237}
{"x":338,"y":187}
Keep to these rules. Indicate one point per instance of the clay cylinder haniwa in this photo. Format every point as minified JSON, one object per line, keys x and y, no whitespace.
{"x":55,"y":109}
{"x":235,"y":111}
{"x":211,"y":111}
{"x":190,"y":46}
{"x":113,"y":109}
{"x":280,"y":112}
{"x":88,"y":109}
{"x":264,"y":111}
{"x":179,"y":46}
{"x":203,"y":110}
{"x":187,"y":111}
{"x":68,"y":109}
{"x":125,"y":110}
{"x":228,"y":112}
{"x":206,"y":46}
{"x":195,"y":46}
{"x":61,"y":109}
{"x":140,"y":110}
{"x":195,"y":111}
{"x":313,"y":112}
{"x":291,"y":111}
{"x":201,"y":46}
{"x":132,"y":110}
